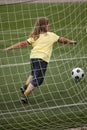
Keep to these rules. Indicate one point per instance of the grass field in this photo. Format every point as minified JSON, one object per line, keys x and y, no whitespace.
{"x":60,"y":102}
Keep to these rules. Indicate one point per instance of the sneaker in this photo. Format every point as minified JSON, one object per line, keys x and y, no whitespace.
{"x":24,"y":99}
{"x":23,"y":88}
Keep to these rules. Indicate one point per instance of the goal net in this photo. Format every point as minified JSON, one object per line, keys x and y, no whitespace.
{"x":60,"y":102}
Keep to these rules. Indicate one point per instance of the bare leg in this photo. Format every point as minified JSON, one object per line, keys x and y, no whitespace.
{"x":23,"y":88}
{"x":29,"y":89}
{"x":29,"y":80}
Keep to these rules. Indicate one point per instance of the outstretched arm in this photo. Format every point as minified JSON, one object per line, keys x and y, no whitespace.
{"x":17,"y":45}
{"x":65,"y":41}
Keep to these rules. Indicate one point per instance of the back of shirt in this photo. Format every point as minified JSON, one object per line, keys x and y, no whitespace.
{"x":42,"y":47}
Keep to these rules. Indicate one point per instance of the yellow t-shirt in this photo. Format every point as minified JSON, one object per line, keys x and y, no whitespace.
{"x":42,"y":47}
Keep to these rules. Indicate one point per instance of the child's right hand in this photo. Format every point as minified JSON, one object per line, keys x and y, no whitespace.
{"x":73,"y":42}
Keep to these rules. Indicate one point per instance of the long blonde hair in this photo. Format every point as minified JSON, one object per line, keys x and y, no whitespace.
{"x":40,"y":27}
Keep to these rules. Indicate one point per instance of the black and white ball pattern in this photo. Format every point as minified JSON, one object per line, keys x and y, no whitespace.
{"x":77,"y":73}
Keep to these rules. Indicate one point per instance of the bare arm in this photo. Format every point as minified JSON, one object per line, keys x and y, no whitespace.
{"x":65,"y":41}
{"x":17,"y":45}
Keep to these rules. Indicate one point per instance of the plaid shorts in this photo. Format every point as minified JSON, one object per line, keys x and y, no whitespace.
{"x":38,"y":69}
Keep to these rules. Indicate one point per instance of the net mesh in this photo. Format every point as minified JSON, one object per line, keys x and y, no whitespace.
{"x":60,"y":103}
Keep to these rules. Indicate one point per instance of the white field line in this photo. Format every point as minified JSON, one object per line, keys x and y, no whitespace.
{"x":20,"y":64}
{"x":38,"y":1}
{"x":43,"y":109}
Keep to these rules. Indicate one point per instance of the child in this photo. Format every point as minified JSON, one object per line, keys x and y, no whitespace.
{"x":42,"y":41}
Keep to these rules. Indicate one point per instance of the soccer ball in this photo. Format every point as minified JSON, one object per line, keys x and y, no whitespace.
{"x":77,"y":73}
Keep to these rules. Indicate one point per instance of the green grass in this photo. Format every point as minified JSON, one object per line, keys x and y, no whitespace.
{"x":60,"y":102}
